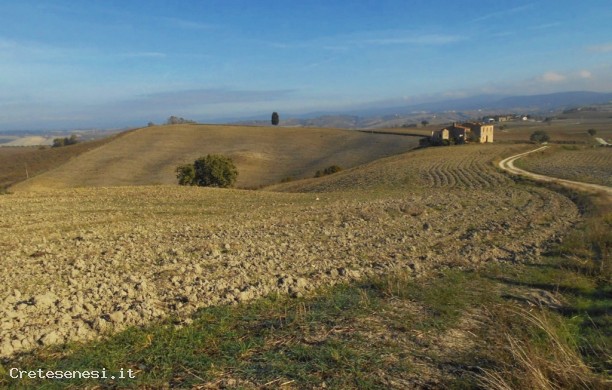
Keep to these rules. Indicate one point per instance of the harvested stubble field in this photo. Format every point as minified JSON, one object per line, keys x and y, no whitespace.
{"x":562,"y":130}
{"x":77,"y":263}
{"x":15,"y":161}
{"x":587,"y":164}
{"x":263,"y":155}
{"x":460,"y":167}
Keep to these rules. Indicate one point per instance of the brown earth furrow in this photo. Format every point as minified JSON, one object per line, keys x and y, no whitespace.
{"x":168,"y":250}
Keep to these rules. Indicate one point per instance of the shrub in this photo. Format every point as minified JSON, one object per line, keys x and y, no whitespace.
{"x":59,"y":142}
{"x":592,"y":132}
{"x":215,"y":171}
{"x":186,"y":175}
{"x":540,"y":136}
{"x":175,"y":120}
{"x":328,"y":171}
{"x":472,"y":137}
{"x":211,"y":171}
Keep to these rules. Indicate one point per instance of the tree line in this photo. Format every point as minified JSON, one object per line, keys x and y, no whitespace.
{"x":59,"y":142}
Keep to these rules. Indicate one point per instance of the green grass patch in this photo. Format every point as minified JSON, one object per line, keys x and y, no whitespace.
{"x":330,"y":338}
{"x":517,"y":325}
{"x":363,"y":335}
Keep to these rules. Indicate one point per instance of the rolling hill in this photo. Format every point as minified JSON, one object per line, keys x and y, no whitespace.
{"x":263,"y":155}
{"x":397,"y":113}
{"x":17,"y":162}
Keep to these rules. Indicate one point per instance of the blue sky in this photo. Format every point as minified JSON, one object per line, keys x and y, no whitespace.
{"x":71,"y":64}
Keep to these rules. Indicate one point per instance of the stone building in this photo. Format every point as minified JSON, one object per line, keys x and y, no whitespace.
{"x":439,"y":136}
{"x":465,"y":132}
{"x":481,"y":132}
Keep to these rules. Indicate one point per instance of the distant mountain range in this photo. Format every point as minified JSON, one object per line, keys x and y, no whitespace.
{"x":445,"y":111}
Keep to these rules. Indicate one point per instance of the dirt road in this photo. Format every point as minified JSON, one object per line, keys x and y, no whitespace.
{"x":507,"y":164}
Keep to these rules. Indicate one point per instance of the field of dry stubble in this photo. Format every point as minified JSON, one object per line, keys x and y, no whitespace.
{"x":80,"y":262}
{"x":578,"y":163}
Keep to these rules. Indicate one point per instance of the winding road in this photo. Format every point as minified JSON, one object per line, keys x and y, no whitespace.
{"x":507,"y":165}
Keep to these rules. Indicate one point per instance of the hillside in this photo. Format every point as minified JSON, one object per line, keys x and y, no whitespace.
{"x":463,"y":167}
{"x":263,"y":155}
{"x":15,"y":160}
{"x":398,"y":113}
{"x":433,"y":255}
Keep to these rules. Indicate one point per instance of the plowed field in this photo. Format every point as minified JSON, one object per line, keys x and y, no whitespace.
{"x":80,"y":262}
{"x":590,"y":165}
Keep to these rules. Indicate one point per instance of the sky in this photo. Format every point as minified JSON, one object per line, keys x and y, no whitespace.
{"x":103,"y":64}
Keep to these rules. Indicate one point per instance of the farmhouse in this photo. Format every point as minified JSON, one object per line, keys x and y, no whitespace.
{"x":439,"y":136}
{"x":481,"y":132}
{"x":465,"y":132}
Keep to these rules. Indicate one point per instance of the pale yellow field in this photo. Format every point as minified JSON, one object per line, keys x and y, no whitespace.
{"x":263,"y":155}
{"x":81,"y":262}
{"x":464,"y":166}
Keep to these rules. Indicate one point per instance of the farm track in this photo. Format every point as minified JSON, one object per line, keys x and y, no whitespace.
{"x":81,"y":262}
{"x":507,"y":164}
{"x":589,"y":165}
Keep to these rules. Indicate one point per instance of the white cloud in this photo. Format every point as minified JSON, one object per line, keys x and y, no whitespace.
{"x":545,"y":26}
{"x":428,"y":39}
{"x":187,"y":24}
{"x":603,"y":48}
{"x":145,"y":54}
{"x":346,"y":42}
{"x":503,"y":13}
{"x":585,"y":74}
{"x":552,"y":77}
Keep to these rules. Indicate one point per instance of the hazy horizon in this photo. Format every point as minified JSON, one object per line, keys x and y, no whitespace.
{"x":107,"y":64}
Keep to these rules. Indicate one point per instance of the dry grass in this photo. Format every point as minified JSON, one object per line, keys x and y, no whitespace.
{"x":542,"y":356}
{"x":587,"y":164}
{"x":263,"y":155}
{"x":570,"y":131}
{"x":408,"y":215}
{"x":465,"y":167}
{"x":15,"y":160}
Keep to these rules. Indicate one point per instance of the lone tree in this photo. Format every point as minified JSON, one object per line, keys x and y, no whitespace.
{"x":424,"y":123}
{"x":592,"y":132}
{"x":214,"y":170}
{"x":540,"y":136}
{"x":275,"y":118}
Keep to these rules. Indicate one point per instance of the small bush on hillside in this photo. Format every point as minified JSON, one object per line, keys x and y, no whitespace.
{"x":186,"y":175}
{"x":211,"y":171}
{"x":328,"y":171}
{"x":540,"y":136}
{"x":176,"y":120}
{"x":59,"y":142}
{"x":215,"y":170}
{"x":592,"y":132}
